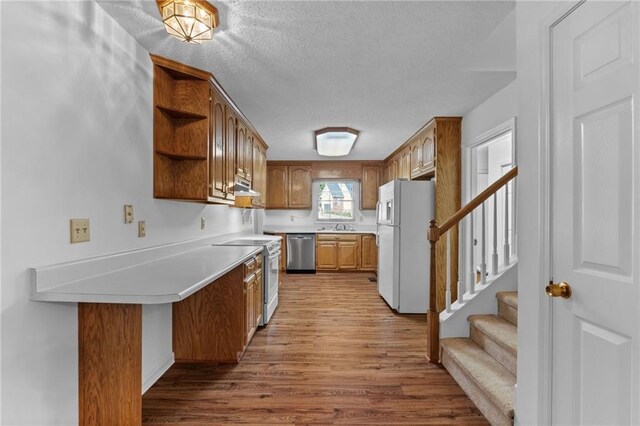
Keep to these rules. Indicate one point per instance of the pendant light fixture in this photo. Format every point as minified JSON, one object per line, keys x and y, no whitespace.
{"x":335,"y":141}
{"x":191,"y":21}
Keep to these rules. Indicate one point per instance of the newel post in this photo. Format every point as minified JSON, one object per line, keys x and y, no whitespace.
{"x":433,"y":316}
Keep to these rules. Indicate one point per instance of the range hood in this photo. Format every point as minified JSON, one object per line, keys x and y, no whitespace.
{"x":243,"y":189}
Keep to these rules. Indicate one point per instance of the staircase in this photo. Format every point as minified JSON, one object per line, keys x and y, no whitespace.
{"x":484,"y":365}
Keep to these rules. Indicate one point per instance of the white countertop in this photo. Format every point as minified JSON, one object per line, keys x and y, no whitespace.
{"x":306,"y":229}
{"x":165,"y":280}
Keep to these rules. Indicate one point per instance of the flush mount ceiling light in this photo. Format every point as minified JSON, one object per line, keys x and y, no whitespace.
{"x":335,"y":141}
{"x":192,"y":21}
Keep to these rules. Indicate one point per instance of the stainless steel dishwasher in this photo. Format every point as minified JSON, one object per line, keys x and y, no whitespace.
{"x":301,"y":253}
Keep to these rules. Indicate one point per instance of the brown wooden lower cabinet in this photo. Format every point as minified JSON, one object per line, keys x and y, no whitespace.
{"x":368,"y":253}
{"x":350,"y":252}
{"x":216,"y":324}
{"x":208,"y":326}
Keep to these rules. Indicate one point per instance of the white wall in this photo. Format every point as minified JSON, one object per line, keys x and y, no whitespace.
{"x":76,"y":143}
{"x":306,"y":218}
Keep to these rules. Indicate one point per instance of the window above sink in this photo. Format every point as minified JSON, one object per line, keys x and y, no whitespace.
{"x":335,"y":201}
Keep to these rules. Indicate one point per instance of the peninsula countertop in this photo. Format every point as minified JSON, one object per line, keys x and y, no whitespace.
{"x":167,"y":280}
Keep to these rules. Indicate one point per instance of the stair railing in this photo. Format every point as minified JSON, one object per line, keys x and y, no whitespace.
{"x":435,"y":234}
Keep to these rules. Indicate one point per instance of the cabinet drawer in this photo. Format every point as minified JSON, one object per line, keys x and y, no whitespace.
{"x":249,"y":280}
{"x":249,"y":267}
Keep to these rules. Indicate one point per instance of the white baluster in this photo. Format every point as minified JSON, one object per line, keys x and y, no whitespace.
{"x":471,"y":285}
{"x":460,"y":269}
{"x":448,"y":292}
{"x":483,"y":251}
{"x":494,"y":254}
{"x":507,"y":249}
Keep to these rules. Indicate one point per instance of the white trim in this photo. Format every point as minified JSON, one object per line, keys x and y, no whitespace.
{"x":314,"y":201}
{"x":544,"y":209}
{"x":157,"y":372}
{"x":0,"y":215}
{"x":499,"y":130}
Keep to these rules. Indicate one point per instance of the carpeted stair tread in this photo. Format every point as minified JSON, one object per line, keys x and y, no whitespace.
{"x":489,"y":384}
{"x":500,"y":331}
{"x":509,"y":298}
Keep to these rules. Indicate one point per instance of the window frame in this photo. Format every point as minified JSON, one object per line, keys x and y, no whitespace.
{"x":315,"y":204}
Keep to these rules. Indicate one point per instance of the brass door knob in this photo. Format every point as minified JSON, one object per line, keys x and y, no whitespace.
{"x":561,"y":289}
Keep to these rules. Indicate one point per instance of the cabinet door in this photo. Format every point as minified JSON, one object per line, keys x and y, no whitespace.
{"x":416,"y":157}
{"x":257,"y":302}
{"x":248,"y":156}
{"x":428,"y":150}
{"x":368,"y":253}
{"x":258,"y":178}
{"x":249,"y":310}
{"x":277,"y":187}
{"x":263,"y":177}
{"x":348,"y":255}
{"x":217,"y":171}
{"x":300,"y":187}
{"x":369,"y":187}
{"x":240,"y":149}
{"x":231,"y":132}
{"x":327,"y":255}
{"x":406,"y":164}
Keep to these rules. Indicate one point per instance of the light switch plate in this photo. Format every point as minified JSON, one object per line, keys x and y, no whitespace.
{"x":142,"y":229}
{"x":128,"y":213}
{"x":80,"y":230}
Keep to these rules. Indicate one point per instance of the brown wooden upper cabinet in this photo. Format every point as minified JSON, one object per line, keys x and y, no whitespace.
{"x":288,"y":187}
{"x":299,"y":187}
{"x":369,"y":187}
{"x":423,"y":159}
{"x":231,"y":130}
{"x":277,"y":187}
{"x":217,"y":147}
{"x":196,"y":128}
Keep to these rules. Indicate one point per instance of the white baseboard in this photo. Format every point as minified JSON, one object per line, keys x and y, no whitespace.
{"x":158,"y":372}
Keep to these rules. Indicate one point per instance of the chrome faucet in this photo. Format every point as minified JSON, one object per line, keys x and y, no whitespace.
{"x":341,"y":227}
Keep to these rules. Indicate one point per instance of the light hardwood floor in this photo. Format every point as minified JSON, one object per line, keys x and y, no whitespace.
{"x":333,"y":353}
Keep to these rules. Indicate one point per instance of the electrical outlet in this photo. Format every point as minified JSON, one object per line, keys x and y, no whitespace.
{"x":142,"y":229}
{"x":203,"y":222}
{"x":80,"y":231}
{"x":293,"y":218}
{"x":128,"y":213}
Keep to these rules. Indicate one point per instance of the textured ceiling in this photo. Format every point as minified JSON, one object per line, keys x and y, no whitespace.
{"x":292,"y":67}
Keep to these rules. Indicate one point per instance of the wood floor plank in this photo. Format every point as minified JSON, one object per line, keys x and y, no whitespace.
{"x":333,"y":353}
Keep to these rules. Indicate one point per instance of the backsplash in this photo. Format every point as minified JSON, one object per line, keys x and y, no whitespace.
{"x":306,"y":218}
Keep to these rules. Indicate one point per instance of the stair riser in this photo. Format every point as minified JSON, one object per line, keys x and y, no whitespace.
{"x":498,"y":352}
{"x":484,"y":404}
{"x":508,"y":313}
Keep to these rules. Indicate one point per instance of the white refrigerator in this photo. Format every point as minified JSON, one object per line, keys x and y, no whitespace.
{"x":403,"y":213}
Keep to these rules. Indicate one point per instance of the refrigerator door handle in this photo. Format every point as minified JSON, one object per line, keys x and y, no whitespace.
{"x":378,"y":212}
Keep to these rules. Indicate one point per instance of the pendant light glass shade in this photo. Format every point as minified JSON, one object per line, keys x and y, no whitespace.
{"x":192,"y":21}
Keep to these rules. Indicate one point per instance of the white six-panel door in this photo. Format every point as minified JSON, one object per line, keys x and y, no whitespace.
{"x":595,"y":214}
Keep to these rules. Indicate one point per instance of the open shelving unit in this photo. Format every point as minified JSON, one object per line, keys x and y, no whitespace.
{"x":181,"y":131}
